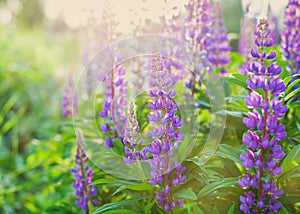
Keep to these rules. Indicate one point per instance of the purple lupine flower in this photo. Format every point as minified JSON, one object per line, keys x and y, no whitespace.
{"x":219,"y":48}
{"x":198,"y":33}
{"x":245,"y":40}
{"x":69,"y":99}
{"x":198,"y":24}
{"x":83,"y":175}
{"x":130,"y":139}
{"x":290,"y":37}
{"x":263,"y":153}
{"x":165,"y":132}
{"x":114,"y":105}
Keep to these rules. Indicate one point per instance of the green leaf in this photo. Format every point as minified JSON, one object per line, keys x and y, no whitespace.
{"x":123,"y":211}
{"x":238,"y":97}
{"x":229,"y":152}
{"x":118,"y":147}
{"x":238,"y":114}
{"x":291,"y":85}
{"x":197,"y":210}
{"x":292,"y":94}
{"x":137,"y":187}
{"x":283,"y":210}
{"x":111,"y":181}
{"x":226,"y":87}
{"x":113,"y":206}
{"x":291,"y":160}
{"x":287,"y":79}
{"x":225,"y":182}
{"x":186,"y":193}
{"x":231,"y":209}
{"x":238,"y":79}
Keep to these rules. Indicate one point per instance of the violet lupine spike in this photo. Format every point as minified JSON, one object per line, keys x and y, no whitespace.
{"x":290,"y":37}
{"x":245,"y":40}
{"x":218,"y":51}
{"x":198,"y":24}
{"x":114,"y":105}
{"x":165,"y":132}
{"x":69,"y":99}
{"x":198,"y":33}
{"x":83,"y":175}
{"x":263,"y":154}
{"x":130,"y":139}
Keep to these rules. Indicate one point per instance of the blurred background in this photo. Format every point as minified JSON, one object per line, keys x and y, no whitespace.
{"x":42,"y":44}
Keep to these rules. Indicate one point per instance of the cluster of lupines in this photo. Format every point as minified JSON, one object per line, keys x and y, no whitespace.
{"x":263,"y":151}
{"x":219,"y":48}
{"x":130,"y":140}
{"x":165,"y":132}
{"x":114,"y":105}
{"x":83,"y":175}
{"x":69,"y":99}
{"x":290,"y":44}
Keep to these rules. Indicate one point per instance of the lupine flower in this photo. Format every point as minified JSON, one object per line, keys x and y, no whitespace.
{"x":83,"y":175}
{"x":130,"y":139}
{"x":290,"y":44}
{"x":245,"y":40}
{"x":198,"y":32}
{"x":69,"y":99}
{"x":114,"y":105}
{"x":219,"y":48}
{"x":165,"y":131}
{"x":263,"y":153}
{"x":116,"y":88}
{"x":198,"y":24}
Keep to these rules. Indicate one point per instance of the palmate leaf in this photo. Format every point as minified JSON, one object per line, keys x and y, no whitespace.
{"x":238,"y":79}
{"x":237,"y":114}
{"x":117,"y":205}
{"x":231,"y":209}
{"x":112,"y":181}
{"x":225,"y":182}
{"x":198,"y":210}
{"x":291,"y":160}
{"x":187,"y":194}
{"x":292,"y":94}
{"x":291,"y":85}
{"x":229,"y":152}
{"x":137,"y":187}
{"x":118,"y":211}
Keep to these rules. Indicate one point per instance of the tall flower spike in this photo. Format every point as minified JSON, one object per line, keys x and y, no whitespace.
{"x":69,"y":99}
{"x":263,"y":153}
{"x":130,"y":139}
{"x":198,"y":33}
{"x":83,"y":175}
{"x":165,"y":132}
{"x":219,"y":48}
{"x":114,"y":105}
{"x":290,"y":37}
